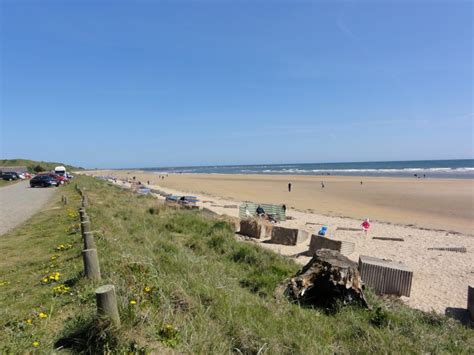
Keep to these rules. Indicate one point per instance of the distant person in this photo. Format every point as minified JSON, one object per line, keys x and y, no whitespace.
{"x":284,"y":208}
{"x":361,"y":182}
{"x":289,"y":187}
{"x":148,"y":182}
{"x":134,"y":178}
{"x":322,"y":231}
{"x":322,"y":184}
{"x":424,"y":176}
{"x":365,"y":225}
{"x":260,"y":211}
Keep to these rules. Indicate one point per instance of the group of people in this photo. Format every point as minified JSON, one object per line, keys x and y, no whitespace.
{"x":261,"y":213}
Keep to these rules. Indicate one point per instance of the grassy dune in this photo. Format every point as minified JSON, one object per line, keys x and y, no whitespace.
{"x":184,"y":284}
{"x":30,"y":164}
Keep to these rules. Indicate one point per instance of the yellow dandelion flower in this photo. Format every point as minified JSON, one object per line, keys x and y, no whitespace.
{"x":42,"y":315}
{"x":133,"y":302}
{"x":147,"y":289}
{"x":36,"y":344}
{"x":29,"y":321}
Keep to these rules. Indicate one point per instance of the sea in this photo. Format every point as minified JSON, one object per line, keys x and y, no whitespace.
{"x":460,"y":168}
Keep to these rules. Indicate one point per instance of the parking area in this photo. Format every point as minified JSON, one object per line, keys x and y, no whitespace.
{"x":18,"y":202}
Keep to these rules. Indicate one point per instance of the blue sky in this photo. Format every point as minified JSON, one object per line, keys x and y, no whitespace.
{"x":160,"y":83}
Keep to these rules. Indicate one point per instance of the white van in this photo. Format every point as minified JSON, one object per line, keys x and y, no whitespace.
{"x":60,"y":170}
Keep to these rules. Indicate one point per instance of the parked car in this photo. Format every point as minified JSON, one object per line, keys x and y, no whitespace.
{"x":43,"y":181}
{"x":10,"y":176}
{"x":59,"y":179}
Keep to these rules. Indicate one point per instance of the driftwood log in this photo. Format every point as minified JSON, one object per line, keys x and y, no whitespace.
{"x":328,"y":277}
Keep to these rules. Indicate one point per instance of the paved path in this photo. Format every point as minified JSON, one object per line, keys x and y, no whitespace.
{"x":18,"y":202}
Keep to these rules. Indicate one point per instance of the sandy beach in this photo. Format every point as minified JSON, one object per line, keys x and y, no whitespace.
{"x":446,"y":204}
{"x":426,"y":213}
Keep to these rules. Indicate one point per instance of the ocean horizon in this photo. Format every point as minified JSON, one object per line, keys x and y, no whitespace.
{"x":457,"y":168}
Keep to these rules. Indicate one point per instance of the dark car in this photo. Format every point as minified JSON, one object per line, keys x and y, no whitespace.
{"x":9,"y":176}
{"x":59,"y":179}
{"x":43,"y":181}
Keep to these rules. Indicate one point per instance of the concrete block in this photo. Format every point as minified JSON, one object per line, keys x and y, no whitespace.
{"x":288,"y":236}
{"x":385,"y":277}
{"x":251,"y":228}
{"x":266,"y":229}
{"x":319,"y":242}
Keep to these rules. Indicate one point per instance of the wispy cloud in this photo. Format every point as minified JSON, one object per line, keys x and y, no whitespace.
{"x":341,"y":25}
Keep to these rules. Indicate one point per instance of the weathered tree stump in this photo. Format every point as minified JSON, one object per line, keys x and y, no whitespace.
{"x":91,"y":264}
{"x":327,"y":278}
{"x":107,"y":303}
{"x":89,"y":242}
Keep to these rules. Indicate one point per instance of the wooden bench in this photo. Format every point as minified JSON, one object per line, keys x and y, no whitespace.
{"x":249,"y":209}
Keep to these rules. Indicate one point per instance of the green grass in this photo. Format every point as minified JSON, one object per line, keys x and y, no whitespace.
{"x":209,"y":292}
{"x":6,"y":183}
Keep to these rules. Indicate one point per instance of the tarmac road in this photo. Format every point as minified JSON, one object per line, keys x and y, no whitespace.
{"x":18,"y":202}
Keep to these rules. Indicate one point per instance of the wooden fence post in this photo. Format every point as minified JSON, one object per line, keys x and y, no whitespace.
{"x":107,"y":303}
{"x":89,"y":242}
{"x":82,"y":213}
{"x":91,"y":264}
{"x":85,"y":201}
{"x":85,"y":227}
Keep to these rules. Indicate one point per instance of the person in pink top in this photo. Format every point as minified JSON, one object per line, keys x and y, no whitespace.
{"x":365,"y":225}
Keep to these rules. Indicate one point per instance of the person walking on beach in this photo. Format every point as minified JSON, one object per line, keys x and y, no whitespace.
{"x":322,"y":184}
{"x":289,"y":187}
{"x":365,"y":225}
